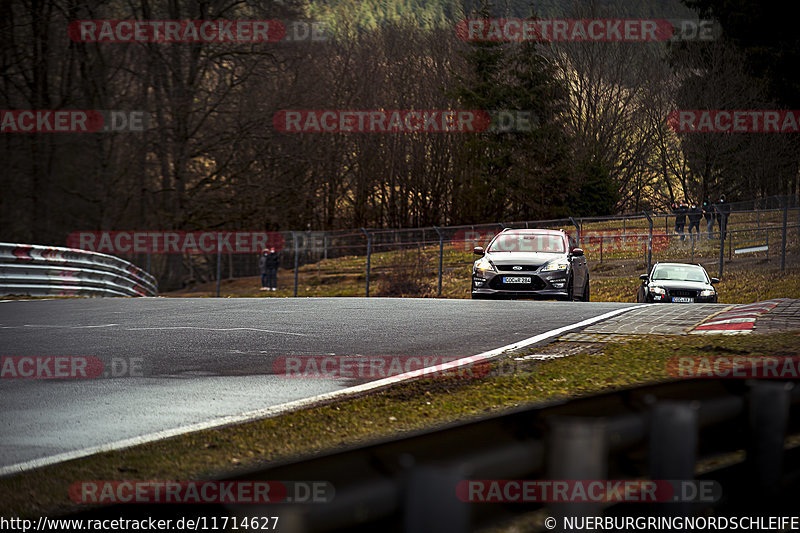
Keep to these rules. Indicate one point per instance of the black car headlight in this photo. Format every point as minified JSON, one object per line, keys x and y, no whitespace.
{"x":707,"y":292}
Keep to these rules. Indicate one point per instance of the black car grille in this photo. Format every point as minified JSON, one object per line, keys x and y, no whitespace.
{"x":683,"y":293}
{"x":535,"y":285}
{"x":511,"y":268}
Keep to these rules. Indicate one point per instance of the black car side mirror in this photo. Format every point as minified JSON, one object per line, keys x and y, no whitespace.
{"x":714,"y":280}
{"x":577,"y":252}
{"x":478,"y":250}
{"x":643,"y":277}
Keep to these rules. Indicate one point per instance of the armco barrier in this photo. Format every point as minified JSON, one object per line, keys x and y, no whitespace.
{"x":728,"y":433}
{"x":30,"y":270}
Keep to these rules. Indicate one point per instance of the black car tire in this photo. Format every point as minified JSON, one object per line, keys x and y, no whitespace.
{"x":570,"y":290}
{"x":586,"y":291}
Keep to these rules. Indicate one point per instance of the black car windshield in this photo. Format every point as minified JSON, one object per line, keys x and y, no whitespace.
{"x":528,"y":242}
{"x":679,"y":273}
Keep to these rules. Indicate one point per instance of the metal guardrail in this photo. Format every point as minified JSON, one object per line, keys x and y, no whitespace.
{"x":666,"y":431}
{"x":31,"y":270}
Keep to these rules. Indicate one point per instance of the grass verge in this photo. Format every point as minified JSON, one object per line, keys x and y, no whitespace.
{"x":382,"y":414}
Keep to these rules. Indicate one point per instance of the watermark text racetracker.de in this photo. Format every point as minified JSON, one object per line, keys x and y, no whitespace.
{"x":404,"y":121}
{"x":175,"y":242}
{"x":586,"y":30}
{"x":375,"y":367}
{"x":587,"y":491}
{"x":73,"y":121}
{"x":69,"y":367}
{"x":734,"y":367}
{"x":202,"y":492}
{"x":735,"y":121}
{"x":196,"y":31}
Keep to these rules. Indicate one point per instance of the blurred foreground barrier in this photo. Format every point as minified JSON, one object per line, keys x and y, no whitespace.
{"x":715,"y":447}
{"x":30,"y":270}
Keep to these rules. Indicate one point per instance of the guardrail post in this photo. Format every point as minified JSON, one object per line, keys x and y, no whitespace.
{"x":721,"y":241}
{"x":577,"y":448}
{"x":441,"y":254}
{"x":431,"y":504}
{"x":325,"y":246}
{"x":296,"y":260}
{"x":673,"y":449}
{"x":769,"y":407}
{"x":219,"y":263}
{"x":649,"y":240}
{"x":369,"y":257}
{"x":783,"y":246}
{"x":578,"y":230}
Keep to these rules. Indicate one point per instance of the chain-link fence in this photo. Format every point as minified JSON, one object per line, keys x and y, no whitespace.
{"x":428,"y":261}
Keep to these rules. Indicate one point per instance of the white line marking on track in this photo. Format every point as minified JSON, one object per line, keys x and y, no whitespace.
{"x":298,"y":404}
{"x":62,"y":327}
{"x":219,"y":329}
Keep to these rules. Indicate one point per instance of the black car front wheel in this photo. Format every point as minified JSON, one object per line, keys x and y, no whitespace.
{"x":570,"y":291}
{"x":586,"y":291}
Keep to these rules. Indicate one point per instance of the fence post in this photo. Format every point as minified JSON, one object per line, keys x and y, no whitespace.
{"x":578,"y":229}
{"x":783,"y":246}
{"x":441,"y":254}
{"x":369,"y":257}
{"x":649,"y":239}
{"x":219,"y":263}
{"x":721,"y":241}
{"x":296,"y":260}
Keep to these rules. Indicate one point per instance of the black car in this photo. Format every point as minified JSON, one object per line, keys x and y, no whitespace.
{"x":530,"y":263}
{"x":677,"y":283}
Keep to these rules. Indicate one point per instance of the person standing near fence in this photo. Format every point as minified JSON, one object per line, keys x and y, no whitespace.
{"x":272,"y":263}
{"x":680,"y":209}
{"x":263,"y":270}
{"x":708,"y":213}
{"x":695,"y":215}
{"x":723,"y":212}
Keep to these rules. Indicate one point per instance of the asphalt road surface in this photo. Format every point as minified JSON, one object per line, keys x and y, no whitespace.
{"x":170,"y":363}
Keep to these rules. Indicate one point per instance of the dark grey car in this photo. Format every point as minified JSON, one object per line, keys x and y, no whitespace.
{"x":530,"y":263}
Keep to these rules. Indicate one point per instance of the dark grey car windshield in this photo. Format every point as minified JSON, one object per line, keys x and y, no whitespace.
{"x":675,"y":273}
{"x":528,"y":242}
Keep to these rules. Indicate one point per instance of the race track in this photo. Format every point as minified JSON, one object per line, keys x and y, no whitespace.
{"x":198,"y":360}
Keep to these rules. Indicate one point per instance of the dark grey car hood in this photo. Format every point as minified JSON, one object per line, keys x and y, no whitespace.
{"x":523,"y":258}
